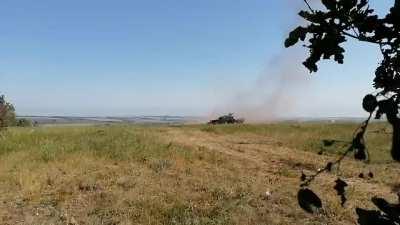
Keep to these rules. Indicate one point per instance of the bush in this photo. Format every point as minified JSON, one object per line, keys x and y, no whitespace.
{"x":7,"y":113}
{"x":24,"y":123}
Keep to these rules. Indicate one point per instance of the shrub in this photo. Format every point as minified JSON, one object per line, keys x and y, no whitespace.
{"x":24,"y":123}
{"x":7,"y":113}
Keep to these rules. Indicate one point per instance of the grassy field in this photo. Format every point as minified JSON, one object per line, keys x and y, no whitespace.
{"x":192,"y":174}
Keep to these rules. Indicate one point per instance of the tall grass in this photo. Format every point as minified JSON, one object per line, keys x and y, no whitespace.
{"x":125,"y":174}
{"x":113,"y":142}
{"x":309,"y":136}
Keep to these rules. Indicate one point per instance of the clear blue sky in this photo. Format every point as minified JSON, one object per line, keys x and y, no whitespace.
{"x":131,"y":57}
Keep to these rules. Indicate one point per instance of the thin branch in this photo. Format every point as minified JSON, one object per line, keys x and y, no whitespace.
{"x":360,"y":38}
{"x":328,"y":167}
{"x":364,"y":39}
{"x":355,"y":31}
{"x":309,"y":6}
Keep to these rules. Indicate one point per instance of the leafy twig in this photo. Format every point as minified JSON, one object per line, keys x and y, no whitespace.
{"x":358,"y":133}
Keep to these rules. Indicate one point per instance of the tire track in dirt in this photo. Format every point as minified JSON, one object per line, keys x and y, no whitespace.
{"x":273,"y":158}
{"x":261,"y":151}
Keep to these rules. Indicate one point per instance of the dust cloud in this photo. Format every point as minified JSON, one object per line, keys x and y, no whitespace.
{"x":276,"y":93}
{"x":281,"y":88}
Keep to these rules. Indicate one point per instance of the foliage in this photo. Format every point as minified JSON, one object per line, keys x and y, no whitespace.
{"x":327,"y":29}
{"x":24,"y":123}
{"x":7,"y":113}
{"x":388,"y":213}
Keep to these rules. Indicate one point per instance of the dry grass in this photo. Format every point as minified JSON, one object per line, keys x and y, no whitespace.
{"x":180,"y":175}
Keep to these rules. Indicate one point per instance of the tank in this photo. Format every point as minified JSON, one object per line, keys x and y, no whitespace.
{"x":227,"y":119}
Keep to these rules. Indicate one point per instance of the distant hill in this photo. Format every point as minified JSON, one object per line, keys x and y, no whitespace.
{"x":101,"y":120}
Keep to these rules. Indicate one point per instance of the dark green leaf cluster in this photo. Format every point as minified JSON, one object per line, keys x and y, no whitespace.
{"x":308,"y":200}
{"x":324,"y":34}
{"x":338,"y":20}
{"x":388,"y":106}
{"x":340,"y":187}
{"x":327,"y":29}
{"x":388,"y":213}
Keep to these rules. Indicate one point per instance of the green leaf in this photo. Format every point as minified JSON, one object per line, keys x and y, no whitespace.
{"x":297,"y":34}
{"x":330,"y":4}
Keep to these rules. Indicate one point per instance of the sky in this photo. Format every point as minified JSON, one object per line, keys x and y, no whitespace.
{"x":170,"y":57}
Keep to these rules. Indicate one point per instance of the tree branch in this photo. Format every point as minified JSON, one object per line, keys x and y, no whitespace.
{"x":360,"y":38}
{"x":311,"y":9}
{"x":362,"y":128}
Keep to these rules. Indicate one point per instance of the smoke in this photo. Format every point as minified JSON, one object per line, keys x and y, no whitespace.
{"x":281,"y":88}
{"x":276,"y":94}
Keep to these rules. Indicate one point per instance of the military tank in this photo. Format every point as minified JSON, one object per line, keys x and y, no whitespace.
{"x":226,"y":119}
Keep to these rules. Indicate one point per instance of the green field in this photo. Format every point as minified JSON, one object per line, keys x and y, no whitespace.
{"x":189,"y":174}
